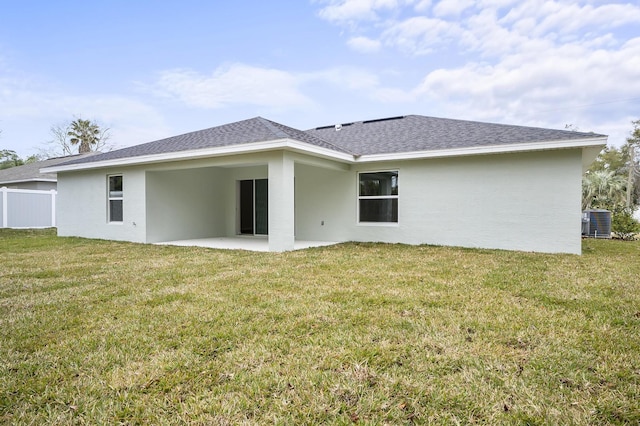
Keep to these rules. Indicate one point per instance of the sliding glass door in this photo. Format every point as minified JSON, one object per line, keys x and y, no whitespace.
{"x":254,"y":206}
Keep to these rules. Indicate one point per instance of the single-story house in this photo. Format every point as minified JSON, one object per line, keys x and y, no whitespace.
{"x":29,"y":176}
{"x":409,"y":179}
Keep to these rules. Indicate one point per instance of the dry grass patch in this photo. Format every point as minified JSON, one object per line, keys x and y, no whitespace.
{"x":108,"y":332}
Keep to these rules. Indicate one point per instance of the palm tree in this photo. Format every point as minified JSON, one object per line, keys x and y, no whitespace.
{"x":84,"y":132}
{"x":603,"y":189}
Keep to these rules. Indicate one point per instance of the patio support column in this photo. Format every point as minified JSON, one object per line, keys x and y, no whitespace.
{"x":281,"y":203}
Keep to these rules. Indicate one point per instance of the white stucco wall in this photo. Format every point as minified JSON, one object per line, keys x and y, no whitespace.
{"x":281,"y":203}
{"x":527,"y":201}
{"x":82,"y":205}
{"x":325,"y":203}
{"x":184,"y":204}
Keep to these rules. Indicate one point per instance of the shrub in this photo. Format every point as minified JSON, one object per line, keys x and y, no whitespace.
{"x":625,"y":225}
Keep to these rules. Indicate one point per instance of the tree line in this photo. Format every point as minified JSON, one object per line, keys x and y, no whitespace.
{"x":613,"y":183}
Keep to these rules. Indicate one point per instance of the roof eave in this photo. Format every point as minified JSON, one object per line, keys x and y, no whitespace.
{"x":485,"y":150}
{"x":287,"y":144}
{"x":305,"y":148}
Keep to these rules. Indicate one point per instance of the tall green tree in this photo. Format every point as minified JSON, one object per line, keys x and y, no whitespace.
{"x":633,"y":146}
{"x":9,"y":158}
{"x":84,"y":133}
{"x":612,"y":182}
{"x":612,"y":158}
{"x":77,"y":136}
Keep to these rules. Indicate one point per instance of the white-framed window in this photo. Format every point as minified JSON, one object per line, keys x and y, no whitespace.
{"x":378,"y":197}
{"x":114,"y":198}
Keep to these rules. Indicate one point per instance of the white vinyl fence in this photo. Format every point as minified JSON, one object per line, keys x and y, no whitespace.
{"x":27,"y":208}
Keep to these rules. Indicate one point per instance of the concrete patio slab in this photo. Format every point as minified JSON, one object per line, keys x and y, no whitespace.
{"x":249,"y":243}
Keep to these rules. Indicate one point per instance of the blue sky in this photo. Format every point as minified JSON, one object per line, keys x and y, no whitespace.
{"x":149,"y":70}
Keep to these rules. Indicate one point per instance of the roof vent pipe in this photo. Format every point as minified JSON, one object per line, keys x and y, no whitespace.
{"x":338,"y":127}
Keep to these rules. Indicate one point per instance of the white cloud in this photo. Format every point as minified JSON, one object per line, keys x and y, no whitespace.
{"x":242,"y":84}
{"x":19,"y":95}
{"x":350,"y":78}
{"x":364,"y":44}
{"x":231,"y":85}
{"x":390,"y":95}
{"x":497,"y":4}
{"x":423,"y":5}
{"x":345,"y":11}
{"x":420,"y":35}
{"x":488,"y":27}
{"x":484,"y":34}
{"x":538,"y":89}
{"x":452,"y":7}
{"x":358,"y":82}
{"x":554,"y":17}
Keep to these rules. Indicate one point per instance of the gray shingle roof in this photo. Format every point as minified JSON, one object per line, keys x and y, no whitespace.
{"x":310,"y":138}
{"x":384,"y":136}
{"x":256,"y":129}
{"x":419,"y":133}
{"x":31,"y":172}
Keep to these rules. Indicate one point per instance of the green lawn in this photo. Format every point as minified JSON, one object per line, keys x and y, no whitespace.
{"x":101,"y":332}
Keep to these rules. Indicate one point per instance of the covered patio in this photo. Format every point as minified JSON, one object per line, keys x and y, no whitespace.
{"x":277,"y":201}
{"x":241,"y":242}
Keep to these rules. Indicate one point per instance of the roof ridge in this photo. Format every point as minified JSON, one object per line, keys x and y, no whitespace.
{"x":337,"y":147}
{"x":269,"y":125}
{"x":272,"y":125}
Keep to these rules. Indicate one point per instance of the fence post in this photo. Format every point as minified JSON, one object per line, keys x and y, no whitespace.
{"x":53,"y":207}
{"x":4,"y":206}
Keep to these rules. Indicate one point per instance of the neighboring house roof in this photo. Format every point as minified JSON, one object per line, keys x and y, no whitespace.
{"x":31,"y":172}
{"x":409,"y":136}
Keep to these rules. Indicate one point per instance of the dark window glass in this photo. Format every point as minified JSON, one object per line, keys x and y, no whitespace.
{"x":246,"y":207}
{"x":115,"y":210}
{"x":254,"y":206}
{"x":379,"y":210}
{"x":115,"y":186}
{"x":378,"y":197}
{"x":115,"y":198}
{"x":379,"y":183}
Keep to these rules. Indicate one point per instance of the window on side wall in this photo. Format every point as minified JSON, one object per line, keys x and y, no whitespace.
{"x":378,"y":197}
{"x":115,"y":198}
